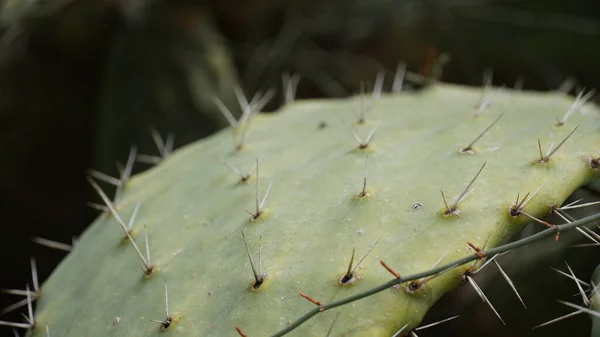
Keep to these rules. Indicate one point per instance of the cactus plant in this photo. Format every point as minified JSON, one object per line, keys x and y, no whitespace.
{"x":325,"y":209}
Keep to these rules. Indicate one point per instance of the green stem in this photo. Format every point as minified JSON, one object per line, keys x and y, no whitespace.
{"x":466,"y":259}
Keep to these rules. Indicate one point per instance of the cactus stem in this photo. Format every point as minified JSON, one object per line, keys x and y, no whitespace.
{"x":587,"y":245}
{"x":469,"y":148}
{"x":148,"y":268}
{"x":349,"y":278}
{"x":289,"y":84}
{"x":590,"y":234}
{"x":399,"y":77}
{"x":389,"y":269}
{"x":363,"y":192}
{"x":452,"y":209}
{"x":310,"y":299}
{"x":164,"y":325}
{"x":546,"y":158}
{"x":259,"y":277}
{"x":578,"y":103}
{"x":240,"y":332}
{"x":482,"y":296}
{"x":362,"y":144}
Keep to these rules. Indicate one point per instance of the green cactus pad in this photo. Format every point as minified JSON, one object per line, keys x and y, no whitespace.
{"x":194,"y":209}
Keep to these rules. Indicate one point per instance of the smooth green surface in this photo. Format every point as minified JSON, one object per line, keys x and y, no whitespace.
{"x":194,"y":211}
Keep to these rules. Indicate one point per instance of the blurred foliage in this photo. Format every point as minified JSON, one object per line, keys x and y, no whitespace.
{"x":163,"y":73}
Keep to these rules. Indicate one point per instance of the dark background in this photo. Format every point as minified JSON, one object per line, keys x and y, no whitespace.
{"x":82,"y":80}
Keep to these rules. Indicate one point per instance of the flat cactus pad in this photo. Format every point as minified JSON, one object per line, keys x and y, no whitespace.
{"x":332,"y":190}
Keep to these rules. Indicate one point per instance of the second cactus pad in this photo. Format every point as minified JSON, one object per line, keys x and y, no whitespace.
{"x":336,"y":189}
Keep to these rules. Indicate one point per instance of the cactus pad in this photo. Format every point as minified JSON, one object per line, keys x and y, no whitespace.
{"x":194,"y":209}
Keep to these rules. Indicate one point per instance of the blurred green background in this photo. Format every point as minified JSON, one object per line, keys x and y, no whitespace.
{"x":83,"y":80}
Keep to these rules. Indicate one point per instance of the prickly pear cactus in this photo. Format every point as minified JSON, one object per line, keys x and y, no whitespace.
{"x":330,"y":190}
